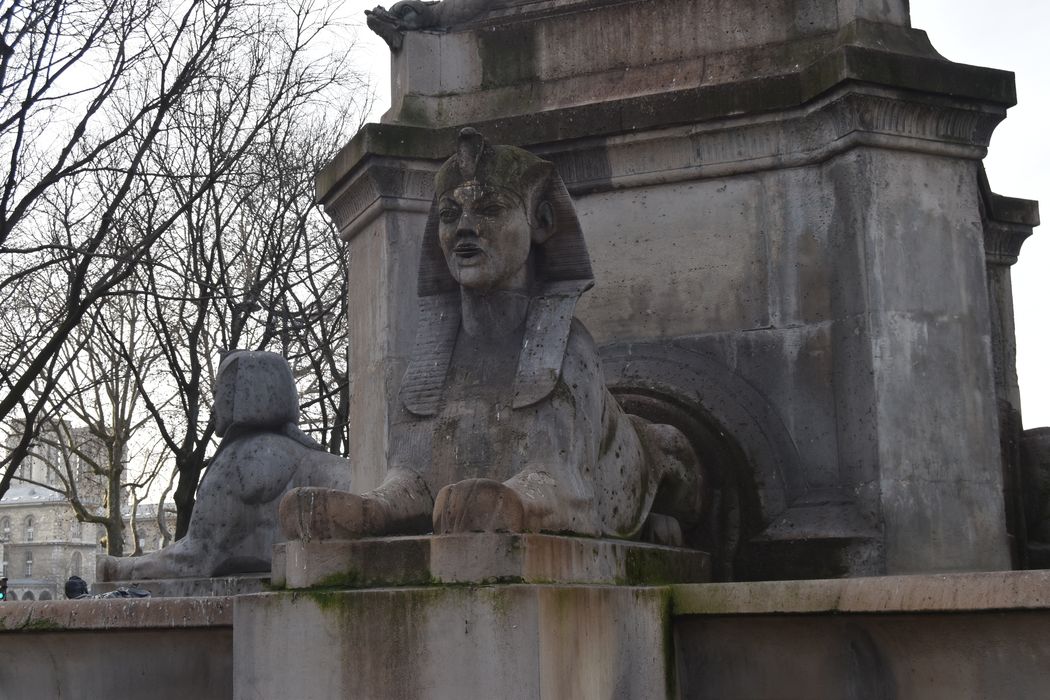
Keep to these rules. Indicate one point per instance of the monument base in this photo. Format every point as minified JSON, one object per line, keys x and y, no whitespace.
{"x":510,"y":641}
{"x":483,"y":558}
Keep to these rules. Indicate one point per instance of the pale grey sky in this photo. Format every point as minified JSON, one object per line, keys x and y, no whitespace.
{"x":1007,"y":34}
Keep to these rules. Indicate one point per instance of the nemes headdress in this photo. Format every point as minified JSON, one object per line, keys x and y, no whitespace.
{"x":562,"y":274}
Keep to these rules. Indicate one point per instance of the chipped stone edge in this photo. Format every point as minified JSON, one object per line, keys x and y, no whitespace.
{"x":963,"y":592}
{"x":116,"y":614}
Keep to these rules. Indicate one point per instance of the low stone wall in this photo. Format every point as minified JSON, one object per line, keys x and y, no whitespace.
{"x":938,"y":636}
{"x":952,"y":636}
{"x":177,"y":648}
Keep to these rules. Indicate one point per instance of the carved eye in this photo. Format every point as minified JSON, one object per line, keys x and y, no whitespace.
{"x":491,"y":209}
{"x":449,"y":215}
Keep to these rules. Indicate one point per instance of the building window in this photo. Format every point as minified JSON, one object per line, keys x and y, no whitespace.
{"x":76,"y":531}
{"x":28,"y":596}
{"x":45,"y":595}
{"x":5,"y":529}
{"x":75,"y":563}
{"x":29,"y":528}
{"x":3,"y":570}
{"x":29,"y":565}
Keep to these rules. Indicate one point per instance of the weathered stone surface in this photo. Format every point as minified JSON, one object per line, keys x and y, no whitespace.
{"x":979,"y":592}
{"x":952,"y":636}
{"x":862,"y":657}
{"x":1035,"y":472}
{"x":515,"y":641}
{"x":579,"y":57}
{"x":484,"y":558}
{"x":262,"y":456}
{"x":164,"y":649}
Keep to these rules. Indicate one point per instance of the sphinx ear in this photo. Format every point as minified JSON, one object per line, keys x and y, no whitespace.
{"x":543,"y":228}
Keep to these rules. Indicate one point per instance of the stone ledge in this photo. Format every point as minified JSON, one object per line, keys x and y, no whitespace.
{"x":483,"y":558}
{"x":116,"y":614}
{"x":191,"y":587}
{"x":972,"y":592}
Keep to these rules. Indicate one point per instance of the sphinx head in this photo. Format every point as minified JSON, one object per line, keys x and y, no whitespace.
{"x":254,"y":390}
{"x":501,"y":219}
{"x":492,"y":212}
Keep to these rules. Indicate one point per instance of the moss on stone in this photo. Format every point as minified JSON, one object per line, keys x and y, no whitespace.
{"x":41,"y":625}
{"x":667,"y":626}
{"x":507,"y":56}
{"x":643,"y":566}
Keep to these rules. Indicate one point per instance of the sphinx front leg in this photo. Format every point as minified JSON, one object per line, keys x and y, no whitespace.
{"x":478,"y":505}
{"x":184,"y":558}
{"x":401,"y":505}
{"x":531,"y":501}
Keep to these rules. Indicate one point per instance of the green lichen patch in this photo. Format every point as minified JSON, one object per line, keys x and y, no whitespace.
{"x":40,"y":625}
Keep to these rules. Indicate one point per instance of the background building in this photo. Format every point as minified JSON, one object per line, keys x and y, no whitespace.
{"x":42,"y":543}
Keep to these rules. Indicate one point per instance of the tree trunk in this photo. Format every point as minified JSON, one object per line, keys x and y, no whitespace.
{"x":185,"y":494}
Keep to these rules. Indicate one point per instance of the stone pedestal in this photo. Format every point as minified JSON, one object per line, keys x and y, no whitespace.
{"x":783,"y":207}
{"x":451,"y":642}
{"x":483,"y":558}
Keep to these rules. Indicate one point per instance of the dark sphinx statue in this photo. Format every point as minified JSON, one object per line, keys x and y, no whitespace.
{"x":263,"y":455}
{"x":506,"y":423}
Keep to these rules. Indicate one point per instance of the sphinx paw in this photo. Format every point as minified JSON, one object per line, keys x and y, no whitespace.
{"x":664,"y":530}
{"x":315,"y":513}
{"x":106,"y":568}
{"x":478,"y":505}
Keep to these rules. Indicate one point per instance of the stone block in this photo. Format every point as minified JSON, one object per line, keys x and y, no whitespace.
{"x":483,"y":558}
{"x":513,"y":641}
{"x":949,"y":636}
{"x":118,"y":648}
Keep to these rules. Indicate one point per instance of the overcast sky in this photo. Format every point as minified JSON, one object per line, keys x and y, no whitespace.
{"x":1007,"y":34}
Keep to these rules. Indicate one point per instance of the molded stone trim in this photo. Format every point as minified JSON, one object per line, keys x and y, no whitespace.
{"x":852,"y":116}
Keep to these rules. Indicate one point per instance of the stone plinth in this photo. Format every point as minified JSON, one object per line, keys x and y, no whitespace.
{"x":160,"y":649}
{"x":483,"y":558}
{"x":191,"y":587}
{"x":451,"y":642}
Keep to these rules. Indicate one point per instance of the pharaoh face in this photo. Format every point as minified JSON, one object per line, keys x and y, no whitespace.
{"x":486,"y":237}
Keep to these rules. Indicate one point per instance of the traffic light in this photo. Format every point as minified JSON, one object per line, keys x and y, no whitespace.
{"x":3,"y":589}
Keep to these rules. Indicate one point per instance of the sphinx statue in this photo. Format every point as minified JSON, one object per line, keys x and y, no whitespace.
{"x":263,"y":455}
{"x":506,"y":424}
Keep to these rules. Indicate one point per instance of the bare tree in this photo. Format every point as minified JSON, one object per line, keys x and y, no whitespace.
{"x":131,"y":123}
{"x":252,"y":265}
{"x":86,"y":452}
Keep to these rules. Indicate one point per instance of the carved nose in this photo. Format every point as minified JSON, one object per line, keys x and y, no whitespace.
{"x":467,"y":226}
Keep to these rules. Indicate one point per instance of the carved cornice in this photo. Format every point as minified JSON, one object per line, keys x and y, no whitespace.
{"x":1008,"y":222}
{"x":1002,"y":242}
{"x":377,"y":186}
{"x":850,"y":117}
